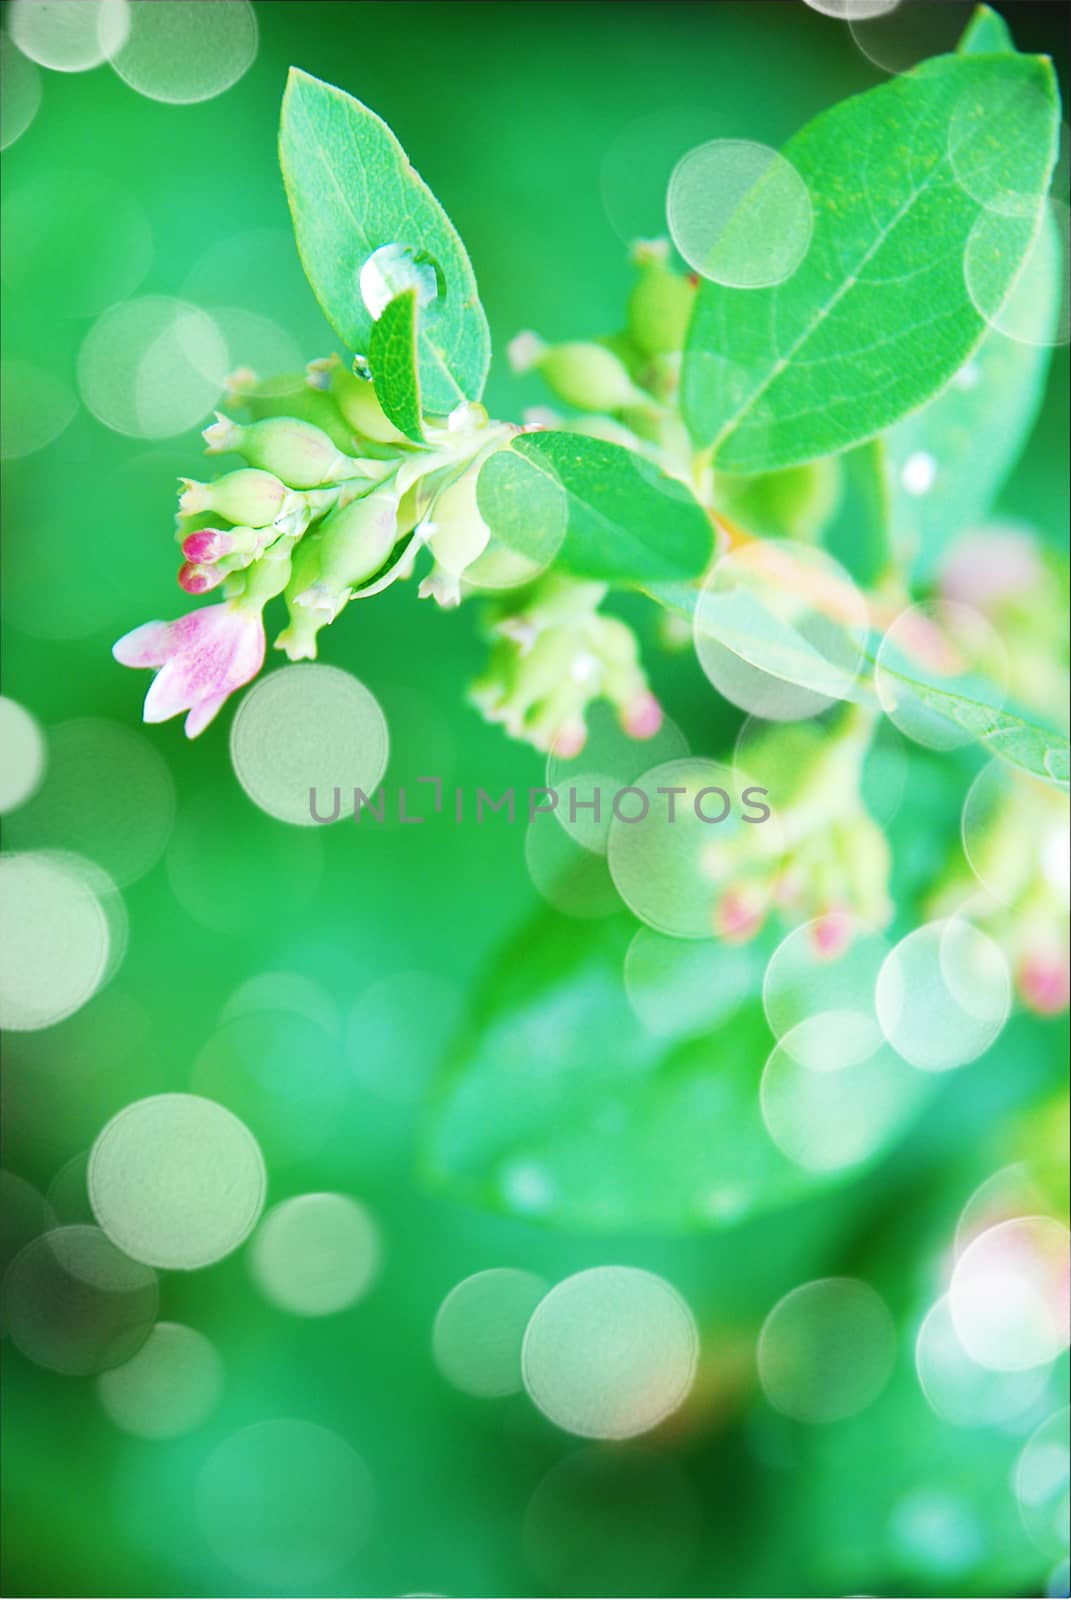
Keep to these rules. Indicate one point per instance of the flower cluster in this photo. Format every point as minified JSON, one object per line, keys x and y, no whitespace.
{"x":333,"y":504}
{"x":826,"y":860}
{"x":327,"y":502}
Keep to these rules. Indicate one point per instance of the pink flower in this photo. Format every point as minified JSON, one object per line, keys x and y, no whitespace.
{"x":202,"y":658}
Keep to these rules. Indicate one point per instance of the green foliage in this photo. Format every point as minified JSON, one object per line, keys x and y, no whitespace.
{"x":624,"y":520}
{"x":619,"y":1137}
{"x":877,"y":317}
{"x":860,"y":532}
{"x":392,"y":354}
{"x":352,"y":190}
{"x":973,"y":432}
{"x":740,"y":622}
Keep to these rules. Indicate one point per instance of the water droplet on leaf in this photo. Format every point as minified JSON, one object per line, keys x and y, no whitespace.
{"x":390,"y":271}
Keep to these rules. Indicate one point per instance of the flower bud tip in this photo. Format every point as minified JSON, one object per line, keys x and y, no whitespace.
{"x":570,"y":739}
{"x":831,"y":935}
{"x":197,"y":579}
{"x":642,"y":717}
{"x":645,"y":252}
{"x":221,"y":435}
{"x":738,"y":917}
{"x":525,"y":350}
{"x":1045,"y":984}
{"x":207,"y":544}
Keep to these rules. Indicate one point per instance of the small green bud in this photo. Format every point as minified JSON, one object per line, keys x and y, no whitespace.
{"x":468,"y":417}
{"x":356,"y":401}
{"x":299,"y":453}
{"x":248,"y":497}
{"x":459,"y":533}
{"x":500,"y":568}
{"x":791,"y":503}
{"x":661,"y":301}
{"x":298,"y":638}
{"x":270,"y":575}
{"x":356,"y":541}
{"x":294,"y":395}
{"x":587,"y":376}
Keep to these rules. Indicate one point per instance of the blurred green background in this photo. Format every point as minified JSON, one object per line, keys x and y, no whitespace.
{"x":524,"y":121}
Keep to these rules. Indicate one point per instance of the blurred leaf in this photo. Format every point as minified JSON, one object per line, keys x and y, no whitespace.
{"x":624,"y":520}
{"x":860,"y":533}
{"x":739,"y":622}
{"x":973,"y":433}
{"x":737,"y":619}
{"x":831,"y":356}
{"x":987,"y":33}
{"x":392,"y":354}
{"x":536,"y":1118}
{"x":935,"y":1502}
{"x":352,"y":190}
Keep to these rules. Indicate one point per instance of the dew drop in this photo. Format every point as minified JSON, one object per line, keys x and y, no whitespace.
{"x":390,"y":271}
{"x":918,"y":473}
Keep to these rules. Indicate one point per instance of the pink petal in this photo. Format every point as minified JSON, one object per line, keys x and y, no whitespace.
{"x":168,"y":694}
{"x":202,"y":715}
{"x":147,"y":646}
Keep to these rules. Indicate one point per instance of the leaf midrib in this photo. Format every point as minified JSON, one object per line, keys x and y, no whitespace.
{"x":848,"y":284}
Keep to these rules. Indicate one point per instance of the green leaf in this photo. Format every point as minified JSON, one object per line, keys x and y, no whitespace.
{"x":742,"y":624}
{"x":639,"y":1133}
{"x":352,"y":190}
{"x":877,"y":317}
{"x":392,"y":354}
{"x":613,"y":515}
{"x":965,"y":443}
{"x":986,"y":34}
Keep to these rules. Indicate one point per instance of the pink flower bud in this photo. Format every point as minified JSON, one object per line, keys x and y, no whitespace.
{"x":207,"y":544}
{"x":739,"y":915}
{"x":831,"y":934}
{"x":198,"y":580}
{"x":642,"y":717}
{"x":1044,"y":981}
{"x":570,"y":739}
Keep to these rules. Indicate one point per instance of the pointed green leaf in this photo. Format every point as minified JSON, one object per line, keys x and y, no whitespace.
{"x":947,"y":462}
{"x":352,"y":190}
{"x":986,"y":34}
{"x":615,"y":515}
{"x":877,"y":317}
{"x":392,"y":355}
